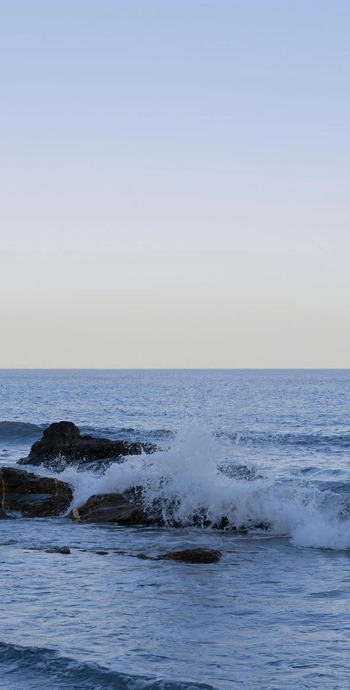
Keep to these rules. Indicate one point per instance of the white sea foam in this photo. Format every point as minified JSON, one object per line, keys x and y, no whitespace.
{"x":188,"y":477}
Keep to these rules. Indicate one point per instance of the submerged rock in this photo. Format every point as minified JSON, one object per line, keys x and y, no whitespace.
{"x":31,"y":495}
{"x":192,"y":556}
{"x":124,"y":509}
{"x":64,"y":550}
{"x":62,"y":444}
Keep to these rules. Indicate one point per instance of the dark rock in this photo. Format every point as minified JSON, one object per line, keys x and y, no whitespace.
{"x":192,"y":556}
{"x":102,"y":553}
{"x":31,"y":495}
{"x":64,"y":550}
{"x":128,"y":509}
{"x":124,"y":509}
{"x":62,"y":444}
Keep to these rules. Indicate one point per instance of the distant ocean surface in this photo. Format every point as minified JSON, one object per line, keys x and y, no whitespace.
{"x":272,"y":614}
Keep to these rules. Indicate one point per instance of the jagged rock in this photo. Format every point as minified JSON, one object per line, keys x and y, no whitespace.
{"x":62,"y":444}
{"x":124,"y":509}
{"x":192,"y":556}
{"x":31,"y":495}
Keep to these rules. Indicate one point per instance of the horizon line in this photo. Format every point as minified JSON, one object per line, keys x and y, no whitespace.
{"x":175,"y":368}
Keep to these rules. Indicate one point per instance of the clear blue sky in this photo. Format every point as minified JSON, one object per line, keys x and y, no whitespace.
{"x":175,"y":183}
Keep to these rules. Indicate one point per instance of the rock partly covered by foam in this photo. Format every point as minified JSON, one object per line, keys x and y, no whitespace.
{"x":124,"y":509}
{"x":197,"y":555}
{"x":128,"y":508}
{"x":62,"y":444}
{"x":31,"y":495}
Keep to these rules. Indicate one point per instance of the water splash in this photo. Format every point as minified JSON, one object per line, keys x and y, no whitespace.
{"x":195,"y":483}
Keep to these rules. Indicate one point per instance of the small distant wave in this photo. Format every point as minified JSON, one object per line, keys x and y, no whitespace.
{"x":34,"y":667}
{"x":128,"y":433}
{"x":315,"y":440}
{"x":19,"y":431}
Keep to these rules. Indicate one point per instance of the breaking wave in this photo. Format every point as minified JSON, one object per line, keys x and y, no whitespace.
{"x":196,"y":484}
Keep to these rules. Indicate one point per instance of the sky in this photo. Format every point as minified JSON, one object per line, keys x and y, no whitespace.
{"x":174,"y":184}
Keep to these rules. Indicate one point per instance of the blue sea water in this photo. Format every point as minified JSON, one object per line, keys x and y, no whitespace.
{"x":272,"y":614}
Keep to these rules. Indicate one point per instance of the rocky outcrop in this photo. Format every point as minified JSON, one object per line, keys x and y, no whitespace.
{"x":124,"y":509}
{"x":128,"y":508}
{"x":62,"y":444}
{"x":192,"y":556}
{"x":31,"y":495}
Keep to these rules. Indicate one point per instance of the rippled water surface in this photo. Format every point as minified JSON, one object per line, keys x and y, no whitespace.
{"x":273,"y":613}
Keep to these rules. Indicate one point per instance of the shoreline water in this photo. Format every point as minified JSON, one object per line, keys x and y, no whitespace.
{"x":223,"y":624}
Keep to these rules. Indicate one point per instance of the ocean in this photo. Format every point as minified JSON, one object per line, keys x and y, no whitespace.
{"x":269,"y":447}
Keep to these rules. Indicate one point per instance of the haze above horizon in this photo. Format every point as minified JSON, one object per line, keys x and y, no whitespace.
{"x":174,"y":184}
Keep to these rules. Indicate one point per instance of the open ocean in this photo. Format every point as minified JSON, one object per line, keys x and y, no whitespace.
{"x":274,"y":613}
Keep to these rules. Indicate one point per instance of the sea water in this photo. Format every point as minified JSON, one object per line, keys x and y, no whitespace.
{"x":260,"y":447}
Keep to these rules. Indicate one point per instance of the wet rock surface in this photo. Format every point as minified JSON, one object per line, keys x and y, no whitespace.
{"x":192,"y":556}
{"x":128,"y":509}
{"x":63,"y":549}
{"x":63,"y":444}
{"x":124,"y":509}
{"x":32,"y":495}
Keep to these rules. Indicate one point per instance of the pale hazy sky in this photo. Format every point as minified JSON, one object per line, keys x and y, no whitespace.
{"x":175,"y":183}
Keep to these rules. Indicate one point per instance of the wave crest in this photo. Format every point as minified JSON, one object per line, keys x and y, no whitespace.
{"x":31,"y":667}
{"x":195,"y":483}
